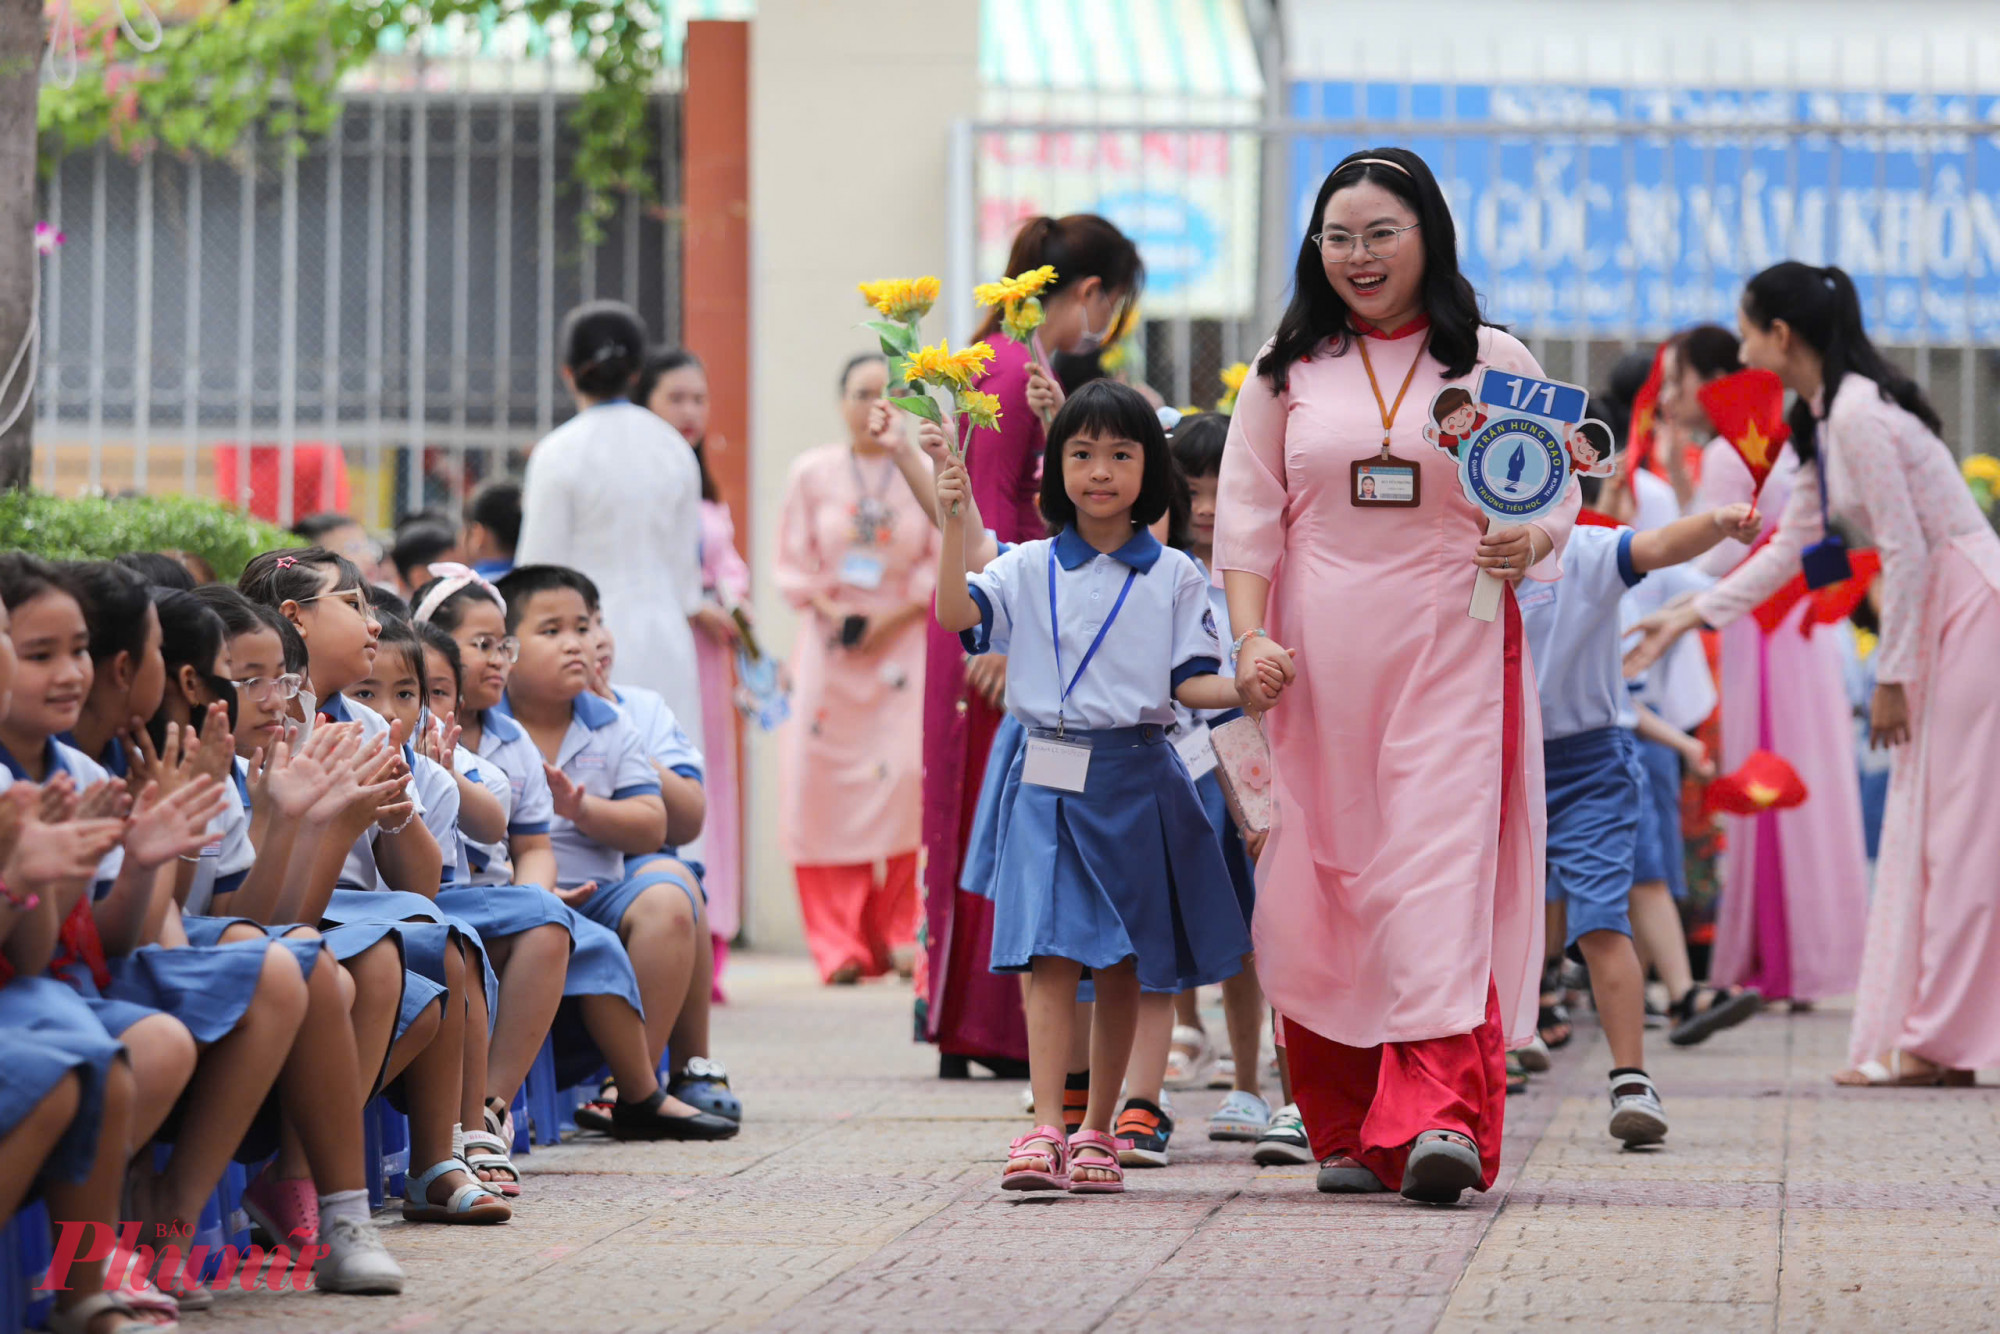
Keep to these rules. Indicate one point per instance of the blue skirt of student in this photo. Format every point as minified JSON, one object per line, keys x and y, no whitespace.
{"x":982,"y":843}
{"x":46,"y":1032}
{"x":608,"y":906}
{"x":423,"y":950}
{"x":1130,"y":868}
{"x":207,"y":987}
{"x":1242,"y":876}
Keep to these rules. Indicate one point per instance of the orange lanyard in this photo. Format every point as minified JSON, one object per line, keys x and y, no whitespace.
{"x":1388,"y":411}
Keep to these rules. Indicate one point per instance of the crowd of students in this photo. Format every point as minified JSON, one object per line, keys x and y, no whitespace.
{"x":270,"y":850}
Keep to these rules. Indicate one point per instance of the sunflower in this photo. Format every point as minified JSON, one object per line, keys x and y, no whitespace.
{"x":1021,"y":318}
{"x":1233,"y":378}
{"x":902,"y":299}
{"x":981,"y":410}
{"x":945,"y":368}
{"x":1020,"y":287}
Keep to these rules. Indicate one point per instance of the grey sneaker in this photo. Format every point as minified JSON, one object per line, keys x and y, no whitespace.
{"x":1637,"y":1118}
{"x":1242,"y":1117}
{"x":356,"y":1260}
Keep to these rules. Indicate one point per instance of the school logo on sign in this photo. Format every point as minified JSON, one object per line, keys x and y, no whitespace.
{"x":1515,"y":468}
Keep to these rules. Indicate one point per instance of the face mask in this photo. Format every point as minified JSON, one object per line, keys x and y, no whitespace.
{"x":1092,"y":339}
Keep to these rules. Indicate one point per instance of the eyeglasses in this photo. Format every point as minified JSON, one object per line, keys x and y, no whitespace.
{"x":282,"y":689}
{"x":353,"y":597}
{"x":1378,"y":242}
{"x":500,"y":650}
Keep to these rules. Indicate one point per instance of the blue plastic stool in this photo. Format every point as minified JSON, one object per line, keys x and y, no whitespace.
{"x":371,"y":1150}
{"x":518,"y":1109}
{"x":386,"y":1144}
{"x":542,"y":1098}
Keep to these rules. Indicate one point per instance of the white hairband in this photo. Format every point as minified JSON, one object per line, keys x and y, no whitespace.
{"x":453,"y":579}
{"x":1380,"y":162}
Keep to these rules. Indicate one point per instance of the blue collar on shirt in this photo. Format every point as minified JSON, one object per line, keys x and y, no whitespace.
{"x":1141,"y":552}
{"x":493,"y":569}
{"x":500,"y":724}
{"x":586,"y":709}
{"x":52,"y":762}
{"x":115,"y":761}
{"x":334,"y":708}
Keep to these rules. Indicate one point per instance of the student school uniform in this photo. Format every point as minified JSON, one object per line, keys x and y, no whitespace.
{"x":666,"y":743}
{"x":46,"y":1033}
{"x":598,"y":964}
{"x":982,"y":848}
{"x":1681,"y":692}
{"x":1127,"y":867}
{"x":1198,"y":752}
{"x":1590,"y":763}
{"x":603,"y":753}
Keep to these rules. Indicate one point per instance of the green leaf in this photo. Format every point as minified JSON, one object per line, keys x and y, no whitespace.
{"x":895,"y":337}
{"x":920,"y":405}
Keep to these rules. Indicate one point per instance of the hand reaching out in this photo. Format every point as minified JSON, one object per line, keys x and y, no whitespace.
{"x":1739,"y":521}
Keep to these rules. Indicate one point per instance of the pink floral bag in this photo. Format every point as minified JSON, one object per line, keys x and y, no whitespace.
{"x":1243,"y":764}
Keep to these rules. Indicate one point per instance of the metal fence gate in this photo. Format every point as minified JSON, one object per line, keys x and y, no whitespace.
{"x":391,"y":294}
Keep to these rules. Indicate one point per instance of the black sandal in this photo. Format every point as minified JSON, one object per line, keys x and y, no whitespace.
{"x":1725,"y":1009}
{"x":642,"y":1121}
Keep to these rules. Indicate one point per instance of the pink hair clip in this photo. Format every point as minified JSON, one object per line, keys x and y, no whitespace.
{"x":287,"y":562}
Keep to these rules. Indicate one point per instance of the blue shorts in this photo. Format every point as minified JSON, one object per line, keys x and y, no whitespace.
{"x":1594,"y":791}
{"x":1659,"y":855}
{"x":607,"y":907}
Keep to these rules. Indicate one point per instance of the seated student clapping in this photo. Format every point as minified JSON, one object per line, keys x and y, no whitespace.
{"x":607,"y":806}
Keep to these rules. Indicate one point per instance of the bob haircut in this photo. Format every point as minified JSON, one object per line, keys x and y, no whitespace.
{"x":1108,"y":408}
{"x":1317,"y":315}
{"x":1198,"y":442}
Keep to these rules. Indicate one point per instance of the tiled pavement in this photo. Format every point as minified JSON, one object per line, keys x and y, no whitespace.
{"x":861,"y":1197}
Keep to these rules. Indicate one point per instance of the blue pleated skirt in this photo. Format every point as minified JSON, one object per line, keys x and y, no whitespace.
{"x":599,"y":966}
{"x":607,"y":907}
{"x":207,"y":987}
{"x":410,"y":915}
{"x":1128,"y":869}
{"x":1242,"y":875}
{"x":982,"y":844}
{"x":46,"y":1032}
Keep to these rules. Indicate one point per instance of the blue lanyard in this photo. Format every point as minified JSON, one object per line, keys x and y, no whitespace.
{"x":1055,"y":633}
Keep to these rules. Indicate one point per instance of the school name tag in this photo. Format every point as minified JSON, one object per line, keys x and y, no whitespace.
{"x":860,"y":569}
{"x":1197,"y":751}
{"x":1051,"y":761}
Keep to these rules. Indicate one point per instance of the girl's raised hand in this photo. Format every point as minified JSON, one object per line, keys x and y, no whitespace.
{"x":17,"y":808}
{"x":214,"y":752}
{"x":48,"y":855}
{"x":954,"y":486}
{"x":931,"y":438}
{"x":58,"y":800}
{"x":1045,"y":396}
{"x":440,"y":740}
{"x":566,"y":795}
{"x":165,"y":827}
{"x":106,"y":801}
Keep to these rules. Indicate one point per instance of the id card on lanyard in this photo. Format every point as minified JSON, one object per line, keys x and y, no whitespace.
{"x":1055,"y":759}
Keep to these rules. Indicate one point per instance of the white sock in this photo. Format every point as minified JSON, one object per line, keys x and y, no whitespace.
{"x":351,"y":1204}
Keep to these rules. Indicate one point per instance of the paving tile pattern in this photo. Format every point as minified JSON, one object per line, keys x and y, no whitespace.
{"x":861,"y":1196}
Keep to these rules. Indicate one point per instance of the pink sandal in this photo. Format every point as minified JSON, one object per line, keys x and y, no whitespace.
{"x":1105,"y":1144}
{"x":1056,"y":1156}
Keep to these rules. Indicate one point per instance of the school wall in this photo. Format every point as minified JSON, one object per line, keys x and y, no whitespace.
{"x":848,"y":115}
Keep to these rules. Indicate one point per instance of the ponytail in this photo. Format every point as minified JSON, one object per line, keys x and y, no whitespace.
{"x":1821,"y":307}
{"x":1079,"y":246}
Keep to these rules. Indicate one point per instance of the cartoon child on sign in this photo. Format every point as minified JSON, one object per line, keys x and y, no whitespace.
{"x":1590,"y":449}
{"x":1455,"y":418}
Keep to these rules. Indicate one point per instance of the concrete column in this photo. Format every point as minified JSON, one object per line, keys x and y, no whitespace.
{"x":850,"y":110}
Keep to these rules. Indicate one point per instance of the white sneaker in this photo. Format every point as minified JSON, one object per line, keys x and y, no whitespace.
{"x":1284,"y":1143}
{"x":356,"y":1260}
{"x":1028,"y":1100}
{"x":1242,"y":1117}
{"x":1191,"y":1060}
{"x":1534,"y":1057}
{"x":1637,"y":1118}
{"x":1224,"y":1075}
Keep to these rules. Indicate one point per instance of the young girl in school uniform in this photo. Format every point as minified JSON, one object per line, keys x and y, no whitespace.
{"x":600,"y":990}
{"x":387,"y":872}
{"x":1106,"y":860}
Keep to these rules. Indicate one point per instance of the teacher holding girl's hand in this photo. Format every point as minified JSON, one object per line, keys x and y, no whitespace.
{"x":1399,"y":902}
{"x":1928,"y":1007}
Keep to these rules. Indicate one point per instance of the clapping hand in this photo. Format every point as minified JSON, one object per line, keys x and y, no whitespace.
{"x":439,"y":742}
{"x":175,"y":825}
{"x":566,"y":794}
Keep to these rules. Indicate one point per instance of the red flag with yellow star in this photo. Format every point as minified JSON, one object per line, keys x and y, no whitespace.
{"x":1645,"y":406}
{"x":1748,"y":409}
{"x":1766,"y":782}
